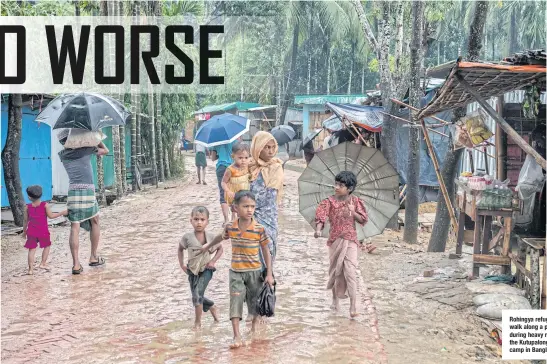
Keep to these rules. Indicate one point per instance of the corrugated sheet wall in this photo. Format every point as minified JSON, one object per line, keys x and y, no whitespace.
{"x":515,"y":97}
{"x":34,"y":154}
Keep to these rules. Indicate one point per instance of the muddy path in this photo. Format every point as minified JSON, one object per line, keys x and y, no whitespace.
{"x":137,"y":309}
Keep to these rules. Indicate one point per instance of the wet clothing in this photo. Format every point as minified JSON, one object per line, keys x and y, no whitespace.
{"x":342,"y":268}
{"x":246,"y":246}
{"x":197,"y":260}
{"x":82,"y":204}
{"x":342,"y":223}
{"x":239,"y":181}
{"x":198,"y":285}
{"x":244,"y":287}
{"x":266,"y":212}
{"x":37,"y":230}
{"x":224,"y":154}
{"x":33,"y":242}
{"x":201,"y":159}
{"x":220,"y":175}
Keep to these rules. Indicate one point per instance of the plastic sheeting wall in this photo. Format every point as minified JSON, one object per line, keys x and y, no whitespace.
{"x":34,"y":154}
{"x":428,"y":177}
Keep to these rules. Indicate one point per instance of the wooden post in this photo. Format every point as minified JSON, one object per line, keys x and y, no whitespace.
{"x":502,"y":123}
{"x":470,"y":152}
{"x":461,"y":226}
{"x":439,"y":176}
{"x":506,"y":247}
{"x":501,"y":145}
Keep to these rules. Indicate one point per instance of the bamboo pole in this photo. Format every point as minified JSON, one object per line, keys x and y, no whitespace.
{"x":417,"y":110}
{"x":502,"y":123}
{"x":439,"y":177}
{"x":436,"y":165}
{"x":500,"y":145}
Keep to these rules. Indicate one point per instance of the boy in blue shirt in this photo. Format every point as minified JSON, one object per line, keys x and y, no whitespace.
{"x":222,"y":154}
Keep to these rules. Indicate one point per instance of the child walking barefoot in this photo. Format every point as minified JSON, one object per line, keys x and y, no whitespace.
{"x":342,"y":210}
{"x":35,"y":228}
{"x":200,"y":266}
{"x":237,"y":176}
{"x":246,"y":278}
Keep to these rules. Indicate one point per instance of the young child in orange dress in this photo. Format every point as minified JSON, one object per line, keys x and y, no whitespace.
{"x":237,"y":176}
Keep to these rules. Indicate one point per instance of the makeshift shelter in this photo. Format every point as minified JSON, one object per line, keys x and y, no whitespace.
{"x":371,"y":119}
{"x":314,"y":112}
{"x":478,"y":81}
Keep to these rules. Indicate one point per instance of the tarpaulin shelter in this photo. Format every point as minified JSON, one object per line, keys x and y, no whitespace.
{"x":371,"y":118}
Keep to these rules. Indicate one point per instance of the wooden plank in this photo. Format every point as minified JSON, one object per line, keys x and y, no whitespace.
{"x":477,"y":245}
{"x":520,"y":268}
{"x":502,"y":123}
{"x":491,"y":260}
{"x":536,"y":243}
{"x":486,"y":234}
{"x":535,"y":294}
{"x":461,"y":232}
{"x":502,"y":213}
{"x":496,"y":239}
{"x":507,"y":225}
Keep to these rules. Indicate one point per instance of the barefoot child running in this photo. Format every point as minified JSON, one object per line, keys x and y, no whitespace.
{"x":342,"y":211}
{"x":237,"y":176}
{"x":200,"y":266}
{"x":35,"y":228}
{"x":246,"y":277}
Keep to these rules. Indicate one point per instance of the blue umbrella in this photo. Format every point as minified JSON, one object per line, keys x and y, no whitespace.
{"x":222,"y":129}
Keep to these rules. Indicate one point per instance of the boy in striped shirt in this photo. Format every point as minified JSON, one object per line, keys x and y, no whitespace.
{"x":246,"y":275}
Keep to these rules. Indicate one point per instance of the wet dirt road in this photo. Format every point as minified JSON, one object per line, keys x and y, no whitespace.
{"x":137,"y":309}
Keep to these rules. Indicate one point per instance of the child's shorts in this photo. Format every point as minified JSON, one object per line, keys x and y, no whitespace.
{"x":244,"y":286}
{"x":32,"y":242}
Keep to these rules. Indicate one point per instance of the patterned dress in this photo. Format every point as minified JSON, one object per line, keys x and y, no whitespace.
{"x":239,"y":181}
{"x":342,"y":223}
{"x":266,"y":212}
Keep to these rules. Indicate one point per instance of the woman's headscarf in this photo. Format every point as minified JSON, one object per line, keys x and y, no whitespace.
{"x":272,"y":171}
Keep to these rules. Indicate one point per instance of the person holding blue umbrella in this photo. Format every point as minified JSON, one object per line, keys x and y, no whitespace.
{"x":219,"y":134}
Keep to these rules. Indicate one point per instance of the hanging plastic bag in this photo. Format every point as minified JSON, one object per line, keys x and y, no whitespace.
{"x":530,"y":181}
{"x":476,"y":127}
{"x":265,"y":305}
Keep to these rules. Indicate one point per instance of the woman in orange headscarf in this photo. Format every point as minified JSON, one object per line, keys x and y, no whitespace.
{"x":266,"y":184}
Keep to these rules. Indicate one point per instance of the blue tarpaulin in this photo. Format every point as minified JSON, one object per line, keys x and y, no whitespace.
{"x":371,"y":118}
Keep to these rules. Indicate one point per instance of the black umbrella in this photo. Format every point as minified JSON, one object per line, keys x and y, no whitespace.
{"x":84,"y":110}
{"x":310,"y":137}
{"x":283,"y":134}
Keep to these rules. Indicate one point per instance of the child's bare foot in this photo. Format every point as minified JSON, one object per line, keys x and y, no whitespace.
{"x":204,"y":183}
{"x":335,"y":306}
{"x":249,"y":318}
{"x":43,"y":266}
{"x":30,"y":272}
{"x":197,"y":326}
{"x":214,"y":313}
{"x":353,"y":314}
{"x":238,"y":342}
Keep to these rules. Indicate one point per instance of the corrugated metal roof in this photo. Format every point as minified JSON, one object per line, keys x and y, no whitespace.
{"x":260,"y":108}
{"x":241,"y":106}
{"x":323,"y":99}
